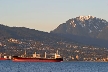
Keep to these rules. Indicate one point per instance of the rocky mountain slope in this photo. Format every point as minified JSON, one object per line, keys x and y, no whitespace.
{"x":85,"y":29}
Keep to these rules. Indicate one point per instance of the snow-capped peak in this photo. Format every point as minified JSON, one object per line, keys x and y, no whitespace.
{"x":90,"y":23}
{"x":82,"y":18}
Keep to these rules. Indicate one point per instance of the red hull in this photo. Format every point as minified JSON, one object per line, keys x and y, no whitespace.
{"x":3,"y":59}
{"x":19,"y":59}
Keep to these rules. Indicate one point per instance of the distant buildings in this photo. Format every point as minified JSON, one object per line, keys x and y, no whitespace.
{"x":69,"y":51}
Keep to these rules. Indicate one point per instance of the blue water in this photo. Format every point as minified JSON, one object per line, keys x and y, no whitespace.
{"x":9,"y":66}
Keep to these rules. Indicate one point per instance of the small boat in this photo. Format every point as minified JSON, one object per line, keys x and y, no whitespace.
{"x":57,"y":58}
{"x":3,"y":59}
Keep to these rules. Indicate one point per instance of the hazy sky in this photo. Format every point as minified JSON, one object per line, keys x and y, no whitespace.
{"x":46,"y":15}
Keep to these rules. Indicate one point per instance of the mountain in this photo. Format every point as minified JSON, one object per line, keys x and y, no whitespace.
{"x":85,"y":29}
{"x":104,"y":34}
{"x":7,"y":32}
{"x":14,"y":41}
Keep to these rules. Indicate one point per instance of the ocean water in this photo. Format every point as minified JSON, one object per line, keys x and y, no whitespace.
{"x":9,"y":66}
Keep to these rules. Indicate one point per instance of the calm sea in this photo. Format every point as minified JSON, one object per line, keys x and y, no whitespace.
{"x":9,"y":66}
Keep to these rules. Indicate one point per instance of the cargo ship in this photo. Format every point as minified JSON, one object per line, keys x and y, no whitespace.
{"x":57,"y":58}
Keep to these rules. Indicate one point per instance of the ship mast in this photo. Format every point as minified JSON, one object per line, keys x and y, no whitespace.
{"x":57,"y":52}
{"x":25,"y":53}
{"x":45,"y":54}
{"x":35,"y":54}
{"x":55,"y":56}
{"x":0,"y":55}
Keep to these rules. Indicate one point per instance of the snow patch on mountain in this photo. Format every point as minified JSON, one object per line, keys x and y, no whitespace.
{"x":92,"y":23}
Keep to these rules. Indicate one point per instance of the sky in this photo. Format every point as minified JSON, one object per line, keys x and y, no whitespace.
{"x":46,"y":15}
